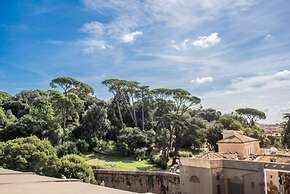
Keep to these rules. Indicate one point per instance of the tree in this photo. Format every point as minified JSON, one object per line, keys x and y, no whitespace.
{"x":69,"y":84}
{"x":40,"y":122}
{"x":171,"y":113}
{"x":143,"y":90}
{"x":252,"y":115}
{"x":230,"y":123}
{"x":32,"y":97}
{"x":4,"y":96}
{"x":286,"y":131}
{"x":67,"y":108}
{"x":214,"y":134}
{"x":3,"y":118}
{"x":94,"y":122}
{"x":132,"y":138}
{"x":209,"y":114}
{"x":17,"y":108}
{"x":125,"y":92}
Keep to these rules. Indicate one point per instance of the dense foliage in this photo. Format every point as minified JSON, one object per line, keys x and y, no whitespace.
{"x":138,"y":121}
{"x":35,"y":155}
{"x":29,"y":154}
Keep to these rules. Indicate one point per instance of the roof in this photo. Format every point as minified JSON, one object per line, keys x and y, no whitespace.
{"x":271,"y":128}
{"x":217,"y":156}
{"x":237,"y":138}
{"x":14,"y":182}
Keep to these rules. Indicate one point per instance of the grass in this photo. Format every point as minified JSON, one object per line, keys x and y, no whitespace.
{"x":119,"y":163}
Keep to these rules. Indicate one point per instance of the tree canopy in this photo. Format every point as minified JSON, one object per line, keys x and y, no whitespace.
{"x":252,"y":115}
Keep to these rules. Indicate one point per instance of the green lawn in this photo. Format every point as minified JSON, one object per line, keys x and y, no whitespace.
{"x":119,"y":163}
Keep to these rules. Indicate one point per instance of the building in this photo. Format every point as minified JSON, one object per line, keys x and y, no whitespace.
{"x":272,"y":131}
{"x":199,"y":176}
{"x":234,"y":142}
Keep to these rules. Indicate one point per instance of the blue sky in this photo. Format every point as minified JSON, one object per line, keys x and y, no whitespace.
{"x":231,"y":53}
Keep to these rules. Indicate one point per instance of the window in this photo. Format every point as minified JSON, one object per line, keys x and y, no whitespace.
{"x":194,"y":179}
{"x":218,"y":187}
{"x":218,"y":176}
{"x":253,"y":185}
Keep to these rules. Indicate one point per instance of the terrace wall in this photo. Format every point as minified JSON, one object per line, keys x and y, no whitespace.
{"x":139,"y":181}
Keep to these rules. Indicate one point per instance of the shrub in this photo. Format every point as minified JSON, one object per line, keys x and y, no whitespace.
{"x":123,"y":149}
{"x":132,"y":138}
{"x":185,"y":154}
{"x":82,"y":146}
{"x":103,"y":147}
{"x":140,"y":153}
{"x":68,"y":147}
{"x":29,"y":154}
{"x":74,"y":166}
{"x":158,"y":161}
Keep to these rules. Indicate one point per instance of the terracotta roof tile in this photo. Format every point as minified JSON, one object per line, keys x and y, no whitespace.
{"x":237,"y":138}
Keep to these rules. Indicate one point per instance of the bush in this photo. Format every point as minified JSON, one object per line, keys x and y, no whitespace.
{"x":123,"y":149}
{"x":158,"y":161}
{"x":131,"y":139}
{"x":140,"y":153}
{"x":74,"y":166}
{"x":82,"y":146}
{"x":35,"y":155}
{"x":103,"y":147}
{"x":68,"y":147}
{"x":185,"y":154}
{"x":29,"y":154}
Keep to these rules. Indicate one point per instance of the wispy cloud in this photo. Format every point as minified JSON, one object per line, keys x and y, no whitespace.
{"x":267,"y":92}
{"x":130,"y":37}
{"x":250,"y":83}
{"x":201,"y":42}
{"x":93,"y":28}
{"x":202,"y":80}
{"x":91,"y":45}
{"x":207,"y":41}
{"x":268,"y":36}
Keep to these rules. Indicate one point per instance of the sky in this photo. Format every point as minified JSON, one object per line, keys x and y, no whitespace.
{"x":230,"y":53}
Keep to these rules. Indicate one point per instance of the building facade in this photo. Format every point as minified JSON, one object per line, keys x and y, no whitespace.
{"x":236,"y":142}
{"x":229,"y":176}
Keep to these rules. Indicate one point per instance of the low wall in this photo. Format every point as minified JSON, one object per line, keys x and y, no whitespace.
{"x":139,"y":181}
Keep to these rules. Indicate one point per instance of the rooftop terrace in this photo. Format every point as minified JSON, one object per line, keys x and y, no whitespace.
{"x":14,"y":182}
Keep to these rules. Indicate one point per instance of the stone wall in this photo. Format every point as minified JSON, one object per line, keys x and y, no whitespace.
{"x":139,"y":181}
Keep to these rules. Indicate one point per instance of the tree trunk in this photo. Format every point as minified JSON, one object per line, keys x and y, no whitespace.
{"x":120,"y":114}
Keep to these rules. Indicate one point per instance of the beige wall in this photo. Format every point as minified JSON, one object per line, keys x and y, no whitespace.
{"x":139,"y":181}
{"x":204,"y":186}
{"x":213,"y":173}
{"x":252,"y":181}
{"x":243,"y":149}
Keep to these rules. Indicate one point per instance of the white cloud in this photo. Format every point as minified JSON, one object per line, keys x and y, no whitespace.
{"x":282,"y":74}
{"x":183,"y":45}
{"x":202,"y":42}
{"x":202,"y":80}
{"x":207,"y":41}
{"x":93,"y":28}
{"x":130,"y":37}
{"x":268,"y":36}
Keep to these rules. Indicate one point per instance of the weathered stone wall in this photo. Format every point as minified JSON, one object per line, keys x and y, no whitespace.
{"x":140,"y":181}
